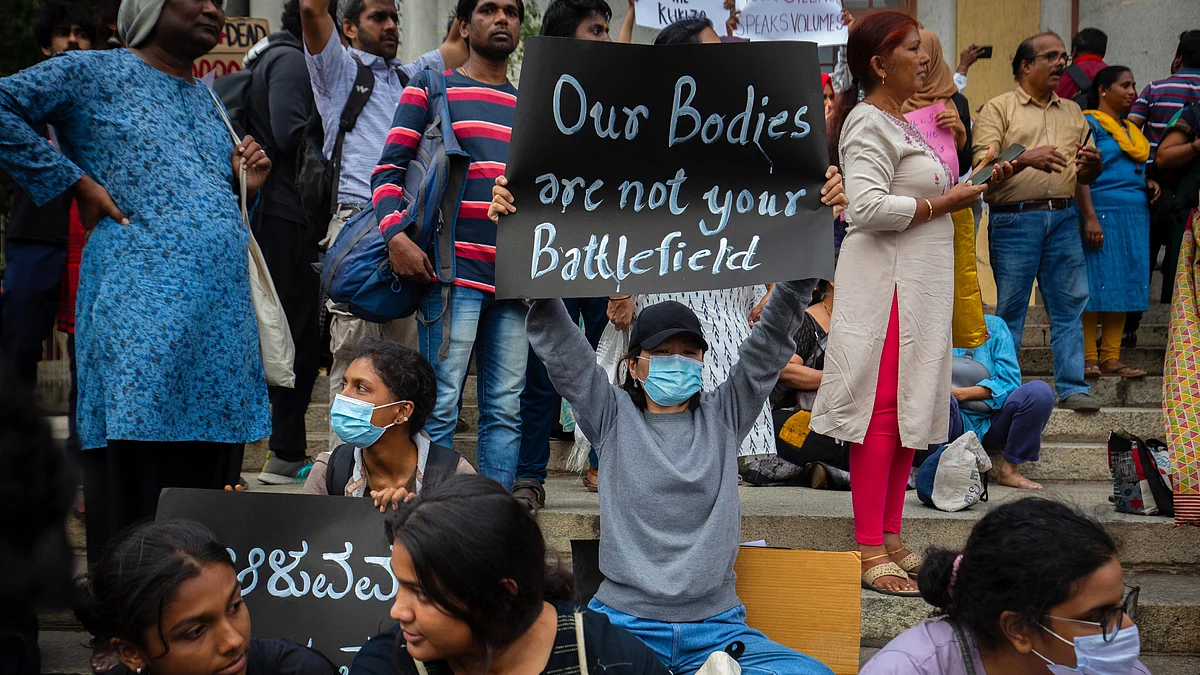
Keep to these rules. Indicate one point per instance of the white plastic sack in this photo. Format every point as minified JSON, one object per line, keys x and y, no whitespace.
{"x":958,"y":483}
{"x":274,"y":335}
{"x":612,"y":348}
{"x":720,"y":663}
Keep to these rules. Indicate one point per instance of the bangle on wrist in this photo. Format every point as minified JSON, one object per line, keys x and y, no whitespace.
{"x":930,"y":205}
{"x":619,"y":297}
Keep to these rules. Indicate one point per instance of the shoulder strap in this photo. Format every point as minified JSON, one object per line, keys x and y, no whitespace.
{"x":580,"y":648}
{"x":341,"y":465}
{"x":360,"y":93}
{"x":441,"y":459}
{"x":420,"y":667}
{"x":964,"y":647}
{"x":236,"y":140}
{"x":1078,"y":76}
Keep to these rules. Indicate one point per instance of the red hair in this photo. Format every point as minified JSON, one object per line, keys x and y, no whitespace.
{"x":879,"y":34}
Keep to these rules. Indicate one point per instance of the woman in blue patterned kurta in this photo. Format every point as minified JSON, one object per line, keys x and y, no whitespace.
{"x":171,"y":380}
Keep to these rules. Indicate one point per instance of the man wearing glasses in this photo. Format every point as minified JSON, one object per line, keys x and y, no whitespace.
{"x":1033,"y":229}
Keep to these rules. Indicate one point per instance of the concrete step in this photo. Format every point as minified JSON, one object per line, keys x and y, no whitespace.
{"x":1142,"y":392}
{"x":1149,"y":335}
{"x":1040,"y":361}
{"x":1070,"y":461}
{"x":1068,"y":424}
{"x":1157,"y":313}
{"x":823,"y":520}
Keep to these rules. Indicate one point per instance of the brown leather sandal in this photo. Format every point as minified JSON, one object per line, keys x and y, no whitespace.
{"x":1120,"y":370}
{"x":887,"y":569}
{"x":1091,"y":369}
{"x":911,"y":563}
{"x":531,"y":493}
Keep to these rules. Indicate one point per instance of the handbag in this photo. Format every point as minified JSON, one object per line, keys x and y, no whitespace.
{"x":1141,"y":473}
{"x":956,"y":476}
{"x":965,"y":371}
{"x":968,"y":328}
{"x":274,"y":337}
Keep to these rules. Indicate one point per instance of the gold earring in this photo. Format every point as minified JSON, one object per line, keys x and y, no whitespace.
{"x":884,"y":80}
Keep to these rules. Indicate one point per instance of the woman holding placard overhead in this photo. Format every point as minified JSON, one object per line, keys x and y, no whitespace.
{"x":895,"y":281}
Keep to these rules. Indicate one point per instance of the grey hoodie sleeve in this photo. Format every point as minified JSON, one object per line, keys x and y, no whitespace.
{"x":768,"y":349}
{"x":571,"y":363}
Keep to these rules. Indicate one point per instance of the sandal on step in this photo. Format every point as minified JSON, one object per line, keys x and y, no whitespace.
{"x":911,"y":563}
{"x":1121,"y":370}
{"x":531,"y":493}
{"x":887,"y":569}
{"x":1091,"y":369}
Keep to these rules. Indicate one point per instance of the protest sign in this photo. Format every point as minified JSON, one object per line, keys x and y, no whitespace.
{"x":662,"y":13}
{"x":664,"y":168}
{"x":313,"y":569}
{"x":240,"y":34}
{"x":941,"y":140}
{"x":819,"y":21}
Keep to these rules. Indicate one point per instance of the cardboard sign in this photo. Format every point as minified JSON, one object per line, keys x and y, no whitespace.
{"x":314,"y":569}
{"x":819,"y":21}
{"x":641,"y":169}
{"x":662,"y":13}
{"x":241,"y":33}
{"x":941,"y":140}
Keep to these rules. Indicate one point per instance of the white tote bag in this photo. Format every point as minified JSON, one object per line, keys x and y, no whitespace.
{"x":274,"y":337}
{"x":959,"y":482}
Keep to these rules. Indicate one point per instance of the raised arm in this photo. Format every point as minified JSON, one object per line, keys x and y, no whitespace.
{"x":626,"y":34}
{"x":571,"y":363}
{"x":317,"y":24}
{"x":771,"y":344}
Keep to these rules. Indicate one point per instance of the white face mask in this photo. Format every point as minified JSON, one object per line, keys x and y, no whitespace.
{"x":1094,"y":656}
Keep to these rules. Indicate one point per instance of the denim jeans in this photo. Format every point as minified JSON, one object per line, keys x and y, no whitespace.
{"x":1043,"y":245}
{"x":540,"y":403}
{"x":495,"y":331}
{"x":684,"y":647}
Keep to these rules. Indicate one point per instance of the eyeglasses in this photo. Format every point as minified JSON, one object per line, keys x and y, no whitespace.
{"x":1110,"y":625}
{"x":1054,"y":57}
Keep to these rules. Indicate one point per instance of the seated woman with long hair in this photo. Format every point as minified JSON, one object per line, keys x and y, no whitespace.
{"x":165,"y":598}
{"x":477,"y":597}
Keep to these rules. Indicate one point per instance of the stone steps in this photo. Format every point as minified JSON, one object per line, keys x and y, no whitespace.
{"x":1118,"y":392}
{"x":1149,"y":335}
{"x":1040,"y":361}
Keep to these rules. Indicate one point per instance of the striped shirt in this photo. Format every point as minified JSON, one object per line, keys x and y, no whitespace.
{"x":1161,"y":100}
{"x":482,"y":116}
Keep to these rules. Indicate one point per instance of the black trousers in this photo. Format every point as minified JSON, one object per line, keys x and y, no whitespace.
{"x":290,"y":255}
{"x":122,"y":481}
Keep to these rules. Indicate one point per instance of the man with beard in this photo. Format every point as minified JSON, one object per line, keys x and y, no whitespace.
{"x":1033,"y":229}
{"x":482,"y":102}
{"x":36,"y":248}
{"x":171,"y":382}
{"x":371,"y":28}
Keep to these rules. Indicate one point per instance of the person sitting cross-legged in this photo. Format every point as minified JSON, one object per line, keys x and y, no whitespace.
{"x":1002,"y":412}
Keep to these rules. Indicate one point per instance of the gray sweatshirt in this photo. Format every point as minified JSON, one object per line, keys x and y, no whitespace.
{"x":670,"y":518}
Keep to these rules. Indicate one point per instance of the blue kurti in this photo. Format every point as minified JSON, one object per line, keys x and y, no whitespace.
{"x":999,"y":356}
{"x":166,"y":337}
{"x":1119,"y":272}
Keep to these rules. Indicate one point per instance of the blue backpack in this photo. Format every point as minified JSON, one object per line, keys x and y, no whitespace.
{"x":357,"y":271}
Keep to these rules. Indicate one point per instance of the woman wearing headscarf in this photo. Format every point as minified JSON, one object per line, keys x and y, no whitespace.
{"x":939,"y":87}
{"x":171,"y":381}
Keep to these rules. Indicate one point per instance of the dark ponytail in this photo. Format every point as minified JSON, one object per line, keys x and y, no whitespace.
{"x":1023,"y":557}
{"x":1105,"y":78}
{"x":466,"y":535}
{"x":138,"y":574}
{"x":878,"y":34}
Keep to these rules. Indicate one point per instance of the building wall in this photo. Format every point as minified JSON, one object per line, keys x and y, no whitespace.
{"x":1142,"y":34}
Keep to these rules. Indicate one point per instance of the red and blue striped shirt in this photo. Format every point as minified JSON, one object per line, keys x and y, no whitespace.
{"x":1161,"y":100}
{"x":482,"y":116}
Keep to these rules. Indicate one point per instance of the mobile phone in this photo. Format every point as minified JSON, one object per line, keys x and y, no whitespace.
{"x":1088,"y":137}
{"x":984,"y":174}
{"x":986,"y":52}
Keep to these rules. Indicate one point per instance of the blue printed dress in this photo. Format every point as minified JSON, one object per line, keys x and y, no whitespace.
{"x":1119,"y":272}
{"x":166,"y":337}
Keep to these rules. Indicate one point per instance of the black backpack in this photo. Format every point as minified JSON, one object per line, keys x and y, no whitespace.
{"x":1081,"y":80}
{"x":234,"y":91}
{"x":442,"y":462}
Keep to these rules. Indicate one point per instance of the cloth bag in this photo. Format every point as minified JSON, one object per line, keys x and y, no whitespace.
{"x":968,"y":327}
{"x":720,"y":663}
{"x":274,"y":337}
{"x":955,"y":477}
{"x":610,"y":351}
{"x":1181,"y":381}
{"x":1141,"y":473}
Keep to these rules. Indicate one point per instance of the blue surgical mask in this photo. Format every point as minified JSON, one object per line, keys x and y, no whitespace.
{"x":351,"y":420}
{"x":1094,"y":656}
{"x":672,"y":379}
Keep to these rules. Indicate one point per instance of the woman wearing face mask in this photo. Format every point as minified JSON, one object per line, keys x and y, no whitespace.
{"x":477,"y":597}
{"x":668,"y":472}
{"x":164,"y":596}
{"x":1038,"y":589}
{"x":387,"y":393}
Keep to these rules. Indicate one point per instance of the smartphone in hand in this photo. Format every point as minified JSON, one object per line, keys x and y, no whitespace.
{"x":984,"y":174}
{"x":985,"y":52}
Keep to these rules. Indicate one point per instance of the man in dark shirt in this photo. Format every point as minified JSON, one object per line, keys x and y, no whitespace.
{"x":36,"y":248}
{"x":281,"y":101}
{"x":1087,"y":52}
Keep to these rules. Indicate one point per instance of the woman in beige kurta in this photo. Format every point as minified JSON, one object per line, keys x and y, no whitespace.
{"x":886,"y":384}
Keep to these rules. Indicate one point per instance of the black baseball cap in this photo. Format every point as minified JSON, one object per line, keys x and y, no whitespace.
{"x":658,"y":323}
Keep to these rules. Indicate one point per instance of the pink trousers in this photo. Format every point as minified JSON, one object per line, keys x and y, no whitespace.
{"x":880,"y":466}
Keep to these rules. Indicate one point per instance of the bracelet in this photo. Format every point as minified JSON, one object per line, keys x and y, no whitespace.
{"x":930,"y":205}
{"x":621,"y":297}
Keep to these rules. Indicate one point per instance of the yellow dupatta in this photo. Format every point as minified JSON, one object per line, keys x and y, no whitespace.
{"x":1130,"y":138}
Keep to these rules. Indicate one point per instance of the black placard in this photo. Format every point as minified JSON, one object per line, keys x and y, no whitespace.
{"x":312,"y":568}
{"x":639,"y":190}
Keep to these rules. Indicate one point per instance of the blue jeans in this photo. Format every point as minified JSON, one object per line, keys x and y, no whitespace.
{"x":1017,"y":426}
{"x":540,"y":403}
{"x":30,"y":304}
{"x":684,"y":647}
{"x":1043,"y":245}
{"x":495,"y":331}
